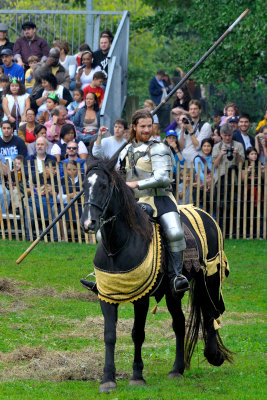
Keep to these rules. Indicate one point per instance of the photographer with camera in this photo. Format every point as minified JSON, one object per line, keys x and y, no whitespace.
{"x":228,"y":151}
{"x":193,"y":131}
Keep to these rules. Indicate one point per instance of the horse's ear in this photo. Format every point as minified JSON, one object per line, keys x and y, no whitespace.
{"x":113,"y":160}
{"x":90,"y":156}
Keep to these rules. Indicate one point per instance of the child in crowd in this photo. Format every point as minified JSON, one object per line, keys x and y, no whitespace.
{"x":75,"y":105}
{"x":51,"y":102}
{"x":17,"y":164}
{"x":230,"y":110}
{"x":29,"y":80}
{"x":95,"y":87}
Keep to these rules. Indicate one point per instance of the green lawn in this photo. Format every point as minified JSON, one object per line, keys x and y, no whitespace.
{"x":51,"y":331}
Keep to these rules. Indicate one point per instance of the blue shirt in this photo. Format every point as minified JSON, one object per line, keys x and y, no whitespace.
{"x":15,"y":71}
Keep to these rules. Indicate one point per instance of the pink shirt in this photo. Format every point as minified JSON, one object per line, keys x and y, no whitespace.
{"x":54,"y":137}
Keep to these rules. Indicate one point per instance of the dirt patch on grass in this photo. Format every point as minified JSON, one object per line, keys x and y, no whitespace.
{"x":10,"y":287}
{"x":12,"y":306}
{"x":53,"y":365}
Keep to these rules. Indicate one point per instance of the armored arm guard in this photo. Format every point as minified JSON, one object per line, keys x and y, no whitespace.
{"x":161,"y":163}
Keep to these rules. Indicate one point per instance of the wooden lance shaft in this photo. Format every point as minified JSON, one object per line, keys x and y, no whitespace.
{"x":50,"y":226}
{"x":203,"y":58}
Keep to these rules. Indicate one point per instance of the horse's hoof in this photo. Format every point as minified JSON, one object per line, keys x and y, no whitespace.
{"x":107,"y":387}
{"x":137,"y":382}
{"x":217,"y":360}
{"x":174,"y":375}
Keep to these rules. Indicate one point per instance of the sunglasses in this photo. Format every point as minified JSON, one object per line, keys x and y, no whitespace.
{"x":72,"y":148}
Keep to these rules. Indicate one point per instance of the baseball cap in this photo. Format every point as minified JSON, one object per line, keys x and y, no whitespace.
{"x":28,"y":24}
{"x":3,"y":27}
{"x":171,"y":132}
{"x":233,"y":119}
{"x":6,"y":52}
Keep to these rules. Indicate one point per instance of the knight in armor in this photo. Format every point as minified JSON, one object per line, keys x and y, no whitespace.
{"x":148,"y":164}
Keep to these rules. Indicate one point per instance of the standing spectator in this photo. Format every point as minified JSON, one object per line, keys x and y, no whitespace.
{"x":54,"y":125}
{"x":48,"y":67}
{"x":4,"y":42}
{"x":215,"y":134}
{"x":204,"y":159}
{"x":26,"y":129}
{"x":11,"y":145}
{"x":242,"y":135}
{"x":95,"y":87}
{"x":263,"y":122}
{"x":67,"y":61}
{"x":183,"y":98}
{"x":29,"y":79}
{"x":29,"y":45}
{"x":177,"y":113}
{"x":75,"y":105}
{"x":39,"y":131}
{"x":158,"y":89}
{"x":261,"y":144}
{"x":172,"y":141}
{"x":193,"y":132}
{"x":12,"y":70}
{"x":86,"y":72}
{"x":15,"y":103}
{"x":233,"y":121}
{"x":101,"y":56}
{"x":150,"y":105}
{"x":87,"y":119}
{"x":68,"y":134}
{"x":107,"y":147}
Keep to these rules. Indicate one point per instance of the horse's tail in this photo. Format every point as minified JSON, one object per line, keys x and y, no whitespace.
{"x":196,"y":323}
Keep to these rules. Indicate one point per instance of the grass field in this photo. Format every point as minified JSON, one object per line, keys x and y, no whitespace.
{"x":51,"y":331}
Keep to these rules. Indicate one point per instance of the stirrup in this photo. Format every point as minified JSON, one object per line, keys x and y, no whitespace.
{"x":89,"y":285}
{"x":184,"y":285}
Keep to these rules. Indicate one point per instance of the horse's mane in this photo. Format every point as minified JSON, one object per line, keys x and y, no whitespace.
{"x":132,"y":214}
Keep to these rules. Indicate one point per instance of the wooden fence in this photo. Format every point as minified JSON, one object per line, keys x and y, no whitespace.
{"x":29,"y":201}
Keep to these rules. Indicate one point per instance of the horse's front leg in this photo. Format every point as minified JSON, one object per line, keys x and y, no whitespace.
{"x":174,"y":305}
{"x":138,"y":336}
{"x":110,"y":313}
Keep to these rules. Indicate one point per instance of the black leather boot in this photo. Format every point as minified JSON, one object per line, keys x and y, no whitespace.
{"x":90,"y":285}
{"x":178,"y":282}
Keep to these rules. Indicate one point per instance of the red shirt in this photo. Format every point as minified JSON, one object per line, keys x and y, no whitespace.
{"x":98,"y":91}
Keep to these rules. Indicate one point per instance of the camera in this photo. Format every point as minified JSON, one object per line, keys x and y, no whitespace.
{"x":229,"y":153}
{"x":185,"y":121}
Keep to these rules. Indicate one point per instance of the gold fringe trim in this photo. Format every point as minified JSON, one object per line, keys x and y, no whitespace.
{"x":132,"y":285}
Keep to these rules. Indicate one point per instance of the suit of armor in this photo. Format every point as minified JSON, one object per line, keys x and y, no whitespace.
{"x":150,"y":164}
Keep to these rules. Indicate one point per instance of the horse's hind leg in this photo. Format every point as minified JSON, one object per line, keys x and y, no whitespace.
{"x":138,"y":336}
{"x":110,"y":313}
{"x":178,"y":323}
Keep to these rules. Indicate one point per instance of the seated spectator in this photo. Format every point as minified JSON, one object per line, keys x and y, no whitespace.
{"x":4,"y":42}
{"x":50,"y":85}
{"x":15,"y":103}
{"x":3,"y":187}
{"x":39,"y":131}
{"x":11,"y":145}
{"x":29,"y":79}
{"x":242,"y":135}
{"x":67,"y":61}
{"x":263,"y":122}
{"x":107,"y":147}
{"x":4,"y":82}
{"x":233,"y":121}
{"x":26,"y":129}
{"x":12,"y":70}
{"x":86,"y":72}
{"x":29,"y":45}
{"x":95,"y":87}
{"x":40,"y":156}
{"x":71,"y":155}
{"x":50,"y":66}
{"x":45,"y":189}
{"x":83,"y":47}
{"x":75,"y":105}
{"x":107,"y":34}
{"x":68,"y":134}
{"x":203,"y":159}
{"x":261,"y":144}
{"x":215,"y":134}
{"x":230,"y":110}
{"x":87,"y":119}
{"x":54,"y":125}
{"x":101,"y":56}
{"x":183,"y":98}
{"x":52,"y":101}
{"x":193,"y":131}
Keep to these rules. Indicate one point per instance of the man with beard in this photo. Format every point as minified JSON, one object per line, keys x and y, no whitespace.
{"x":4,"y":42}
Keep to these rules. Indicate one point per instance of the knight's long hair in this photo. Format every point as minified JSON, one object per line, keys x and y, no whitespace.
{"x":135,"y":118}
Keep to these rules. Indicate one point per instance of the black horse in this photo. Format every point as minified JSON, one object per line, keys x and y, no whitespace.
{"x":127,"y":234}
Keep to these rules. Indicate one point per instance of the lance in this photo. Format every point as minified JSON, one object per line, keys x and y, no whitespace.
{"x":203,"y":58}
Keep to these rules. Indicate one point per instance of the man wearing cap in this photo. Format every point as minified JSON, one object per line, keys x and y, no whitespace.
{"x":233,"y":121}
{"x":29,"y":45}
{"x":12,"y":70}
{"x":4,"y":42}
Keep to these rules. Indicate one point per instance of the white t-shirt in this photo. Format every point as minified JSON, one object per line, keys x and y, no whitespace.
{"x":108,"y":147}
{"x":70,"y":65}
{"x":87,"y":79}
{"x":59,"y":93}
{"x":246,"y":139}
